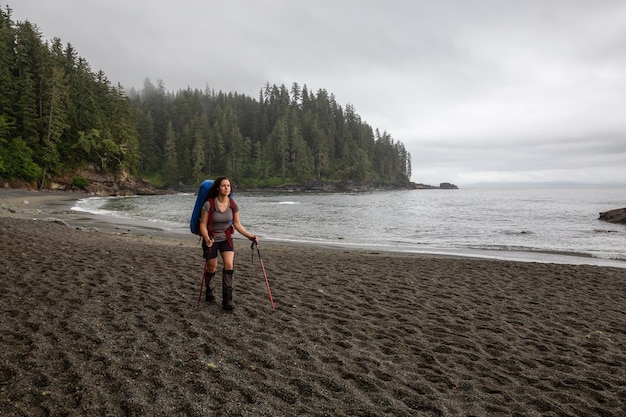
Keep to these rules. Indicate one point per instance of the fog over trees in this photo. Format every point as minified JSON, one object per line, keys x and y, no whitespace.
{"x":57,"y":114}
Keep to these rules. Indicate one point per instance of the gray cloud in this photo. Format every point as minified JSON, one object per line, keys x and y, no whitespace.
{"x":477,"y":90}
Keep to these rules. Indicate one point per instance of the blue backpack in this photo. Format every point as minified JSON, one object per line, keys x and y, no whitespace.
{"x":201,"y":198}
{"x":203,"y":192}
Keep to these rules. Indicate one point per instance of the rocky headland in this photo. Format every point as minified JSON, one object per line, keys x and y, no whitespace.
{"x":614,"y":216}
{"x":91,"y":181}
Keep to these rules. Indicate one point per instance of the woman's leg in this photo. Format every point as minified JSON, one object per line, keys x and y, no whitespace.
{"x":228,"y":258}
{"x":210,"y":254}
{"x":212,"y":265}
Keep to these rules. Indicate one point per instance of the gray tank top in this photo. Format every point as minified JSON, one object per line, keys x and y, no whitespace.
{"x":221,"y":219}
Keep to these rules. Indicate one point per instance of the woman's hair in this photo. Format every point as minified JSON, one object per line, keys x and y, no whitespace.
{"x":214,"y":190}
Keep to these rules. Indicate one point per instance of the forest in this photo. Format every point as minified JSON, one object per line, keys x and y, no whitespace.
{"x":58,"y":115}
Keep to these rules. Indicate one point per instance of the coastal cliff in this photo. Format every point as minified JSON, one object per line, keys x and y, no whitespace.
{"x":92,"y":182}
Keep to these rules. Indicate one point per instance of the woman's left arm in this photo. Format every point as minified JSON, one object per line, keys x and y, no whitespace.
{"x":239,"y":227}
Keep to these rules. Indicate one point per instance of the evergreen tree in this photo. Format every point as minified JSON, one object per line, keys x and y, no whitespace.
{"x":171,"y":166}
{"x":56,"y":115}
{"x":28,"y":66}
{"x":8,"y":58}
{"x":199,"y":160}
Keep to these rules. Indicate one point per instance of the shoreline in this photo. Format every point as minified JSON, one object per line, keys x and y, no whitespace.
{"x":50,"y":205}
{"x":110,"y":324}
{"x":57,"y":206}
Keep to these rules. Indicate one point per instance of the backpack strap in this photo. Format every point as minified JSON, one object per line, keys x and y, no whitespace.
{"x":211,"y":210}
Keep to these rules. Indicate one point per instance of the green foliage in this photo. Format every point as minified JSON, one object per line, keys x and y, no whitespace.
{"x":156,"y":179}
{"x":49,"y":98}
{"x":4,"y":128}
{"x":275,"y":182}
{"x":17,"y":161}
{"x":80,"y":182}
{"x":56,"y":114}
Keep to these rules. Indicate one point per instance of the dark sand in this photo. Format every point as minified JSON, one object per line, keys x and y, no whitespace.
{"x":104,"y":323}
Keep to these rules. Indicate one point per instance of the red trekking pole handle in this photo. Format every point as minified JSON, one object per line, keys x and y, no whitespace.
{"x":267,"y":283}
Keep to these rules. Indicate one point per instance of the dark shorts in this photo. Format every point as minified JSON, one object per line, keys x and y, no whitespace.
{"x":211,"y":252}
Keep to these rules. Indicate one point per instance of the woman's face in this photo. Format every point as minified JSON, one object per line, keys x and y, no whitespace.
{"x":224,"y":188}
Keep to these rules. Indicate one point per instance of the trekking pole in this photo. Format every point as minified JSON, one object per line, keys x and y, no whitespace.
{"x":267,"y":283}
{"x":206,"y":264}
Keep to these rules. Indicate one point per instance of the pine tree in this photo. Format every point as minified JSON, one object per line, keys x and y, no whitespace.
{"x":57,"y":114}
{"x":171,"y":166}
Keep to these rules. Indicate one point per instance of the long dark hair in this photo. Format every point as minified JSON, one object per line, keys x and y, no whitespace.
{"x":215,"y":188}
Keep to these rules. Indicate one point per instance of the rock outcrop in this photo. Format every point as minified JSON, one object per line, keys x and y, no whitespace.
{"x":614,"y":216}
{"x":97,"y":183}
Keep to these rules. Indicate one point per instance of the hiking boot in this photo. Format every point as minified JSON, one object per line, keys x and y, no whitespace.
{"x":210,"y":294}
{"x":227,"y":289}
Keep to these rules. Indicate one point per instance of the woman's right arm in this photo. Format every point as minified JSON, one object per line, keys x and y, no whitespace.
{"x":204,"y":231}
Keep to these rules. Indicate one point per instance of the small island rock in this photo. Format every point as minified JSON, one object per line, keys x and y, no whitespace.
{"x":614,"y":216}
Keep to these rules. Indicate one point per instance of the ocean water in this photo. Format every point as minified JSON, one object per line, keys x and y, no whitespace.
{"x":530,"y":224}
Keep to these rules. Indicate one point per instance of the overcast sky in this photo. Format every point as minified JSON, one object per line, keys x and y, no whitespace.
{"x":478,"y":91}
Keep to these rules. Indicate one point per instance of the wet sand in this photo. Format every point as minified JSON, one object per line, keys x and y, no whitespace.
{"x":103,"y":322}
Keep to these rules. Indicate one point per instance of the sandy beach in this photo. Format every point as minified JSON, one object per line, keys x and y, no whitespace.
{"x":100,"y":319}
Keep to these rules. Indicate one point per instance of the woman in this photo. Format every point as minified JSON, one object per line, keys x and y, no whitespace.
{"x":220,"y":214}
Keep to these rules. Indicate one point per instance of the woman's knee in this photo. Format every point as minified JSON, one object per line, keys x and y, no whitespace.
{"x":228,"y":260}
{"x":212,"y":265}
